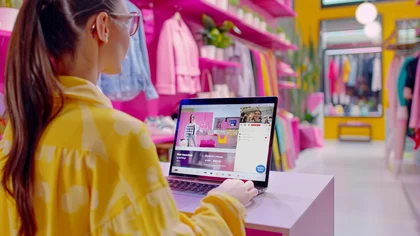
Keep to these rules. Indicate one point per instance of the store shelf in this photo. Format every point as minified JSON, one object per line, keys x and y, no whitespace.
{"x":209,"y":63}
{"x":286,"y":74}
{"x":163,"y":139}
{"x":4,"y":33}
{"x":196,"y":8}
{"x":287,"y":85}
{"x":275,"y":7}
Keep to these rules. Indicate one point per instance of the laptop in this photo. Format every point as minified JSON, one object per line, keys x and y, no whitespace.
{"x":219,"y":139}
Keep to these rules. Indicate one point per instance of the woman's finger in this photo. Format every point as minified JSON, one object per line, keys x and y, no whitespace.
{"x":253,"y":192}
{"x":249,"y":185}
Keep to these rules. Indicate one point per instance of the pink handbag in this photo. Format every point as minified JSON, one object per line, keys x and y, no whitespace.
{"x":211,"y":93}
{"x":207,"y":143}
{"x":215,"y":91}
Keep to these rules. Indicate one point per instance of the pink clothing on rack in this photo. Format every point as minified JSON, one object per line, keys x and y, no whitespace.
{"x":391,"y":84}
{"x":415,"y":106}
{"x":259,"y":79}
{"x":332,"y":75}
{"x":296,"y":137}
{"x":149,"y":24}
{"x":177,"y":60}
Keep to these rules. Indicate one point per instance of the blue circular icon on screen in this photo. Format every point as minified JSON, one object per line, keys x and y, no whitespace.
{"x":260,"y":169}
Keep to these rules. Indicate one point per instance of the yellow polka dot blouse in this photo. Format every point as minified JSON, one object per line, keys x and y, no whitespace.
{"x":97,"y":173}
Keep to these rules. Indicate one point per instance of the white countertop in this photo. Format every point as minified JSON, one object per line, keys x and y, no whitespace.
{"x":288,"y":198}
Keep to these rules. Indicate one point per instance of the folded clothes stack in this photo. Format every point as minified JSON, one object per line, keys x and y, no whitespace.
{"x":285,"y":67}
{"x":161,"y":126}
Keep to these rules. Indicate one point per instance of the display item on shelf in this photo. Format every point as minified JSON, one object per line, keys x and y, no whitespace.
{"x":178,"y":68}
{"x":135,"y":76}
{"x":206,"y":76}
{"x":249,"y":18}
{"x":168,"y":122}
{"x":213,"y":2}
{"x":220,"y":54}
{"x":285,"y":68}
{"x":208,"y":51}
{"x":223,"y":4}
{"x":240,"y":14}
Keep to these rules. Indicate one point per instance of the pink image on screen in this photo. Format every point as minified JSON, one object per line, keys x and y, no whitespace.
{"x":203,"y":119}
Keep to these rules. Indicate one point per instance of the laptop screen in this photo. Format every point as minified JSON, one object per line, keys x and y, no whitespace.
{"x":224,"y":140}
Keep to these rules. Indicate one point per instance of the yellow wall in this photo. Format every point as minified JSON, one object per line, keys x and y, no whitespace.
{"x":310,"y":14}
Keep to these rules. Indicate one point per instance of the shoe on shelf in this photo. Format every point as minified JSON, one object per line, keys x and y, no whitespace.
{"x":160,"y":126}
{"x":167,"y":121}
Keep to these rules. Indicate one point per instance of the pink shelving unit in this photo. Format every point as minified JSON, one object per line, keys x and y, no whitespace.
{"x":276,"y":8}
{"x":287,"y":85}
{"x":196,"y":8}
{"x":209,"y":63}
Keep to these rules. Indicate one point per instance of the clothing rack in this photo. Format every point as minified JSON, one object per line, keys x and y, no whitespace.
{"x":334,"y":52}
{"x":397,"y":139}
{"x":348,"y":88}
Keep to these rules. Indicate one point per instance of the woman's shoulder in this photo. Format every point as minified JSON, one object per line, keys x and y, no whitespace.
{"x":116,"y":121}
{"x":112,"y":131}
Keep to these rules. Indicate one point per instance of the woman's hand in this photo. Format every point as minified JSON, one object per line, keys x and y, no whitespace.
{"x":243,"y":192}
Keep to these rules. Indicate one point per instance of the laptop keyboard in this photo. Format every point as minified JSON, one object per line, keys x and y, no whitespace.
{"x":185,"y":186}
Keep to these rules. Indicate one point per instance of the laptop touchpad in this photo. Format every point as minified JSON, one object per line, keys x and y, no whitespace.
{"x":184,"y":199}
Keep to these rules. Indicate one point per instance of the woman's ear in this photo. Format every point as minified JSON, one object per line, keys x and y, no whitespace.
{"x":102,"y":28}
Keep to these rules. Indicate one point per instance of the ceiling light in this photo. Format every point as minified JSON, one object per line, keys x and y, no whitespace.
{"x":366,"y":13}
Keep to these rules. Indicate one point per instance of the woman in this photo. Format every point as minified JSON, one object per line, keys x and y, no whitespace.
{"x":190,"y":132}
{"x":70,"y":164}
{"x":257,"y":116}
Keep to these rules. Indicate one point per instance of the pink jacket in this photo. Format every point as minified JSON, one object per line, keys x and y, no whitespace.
{"x":177,"y":60}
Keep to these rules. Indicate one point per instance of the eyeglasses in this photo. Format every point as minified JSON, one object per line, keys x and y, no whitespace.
{"x":129,"y":21}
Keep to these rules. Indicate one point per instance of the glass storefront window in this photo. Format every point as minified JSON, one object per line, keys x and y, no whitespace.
{"x":352,"y":69}
{"x":334,"y":3}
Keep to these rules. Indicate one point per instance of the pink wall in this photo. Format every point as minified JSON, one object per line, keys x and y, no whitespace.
{"x":7,"y":22}
{"x":4,"y":43}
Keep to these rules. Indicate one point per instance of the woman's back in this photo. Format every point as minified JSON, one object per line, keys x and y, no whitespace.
{"x":82,"y":183}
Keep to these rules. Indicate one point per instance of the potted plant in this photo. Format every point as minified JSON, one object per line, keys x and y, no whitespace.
{"x":213,"y":2}
{"x":307,"y":63}
{"x":241,"y":13}
{"x":281,"y":34}
{"x":215,"y":38}
{"x":270,"y":29}
{"x":256,"y":20}
{"x":11,"y":3}
{"x":263,"y":24}
{"x":234,"y":6}
{"x":248,"y":16}
{"x":223,"y":4}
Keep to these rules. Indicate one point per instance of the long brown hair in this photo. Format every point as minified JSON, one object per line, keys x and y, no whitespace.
{"x":45,"y":30}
